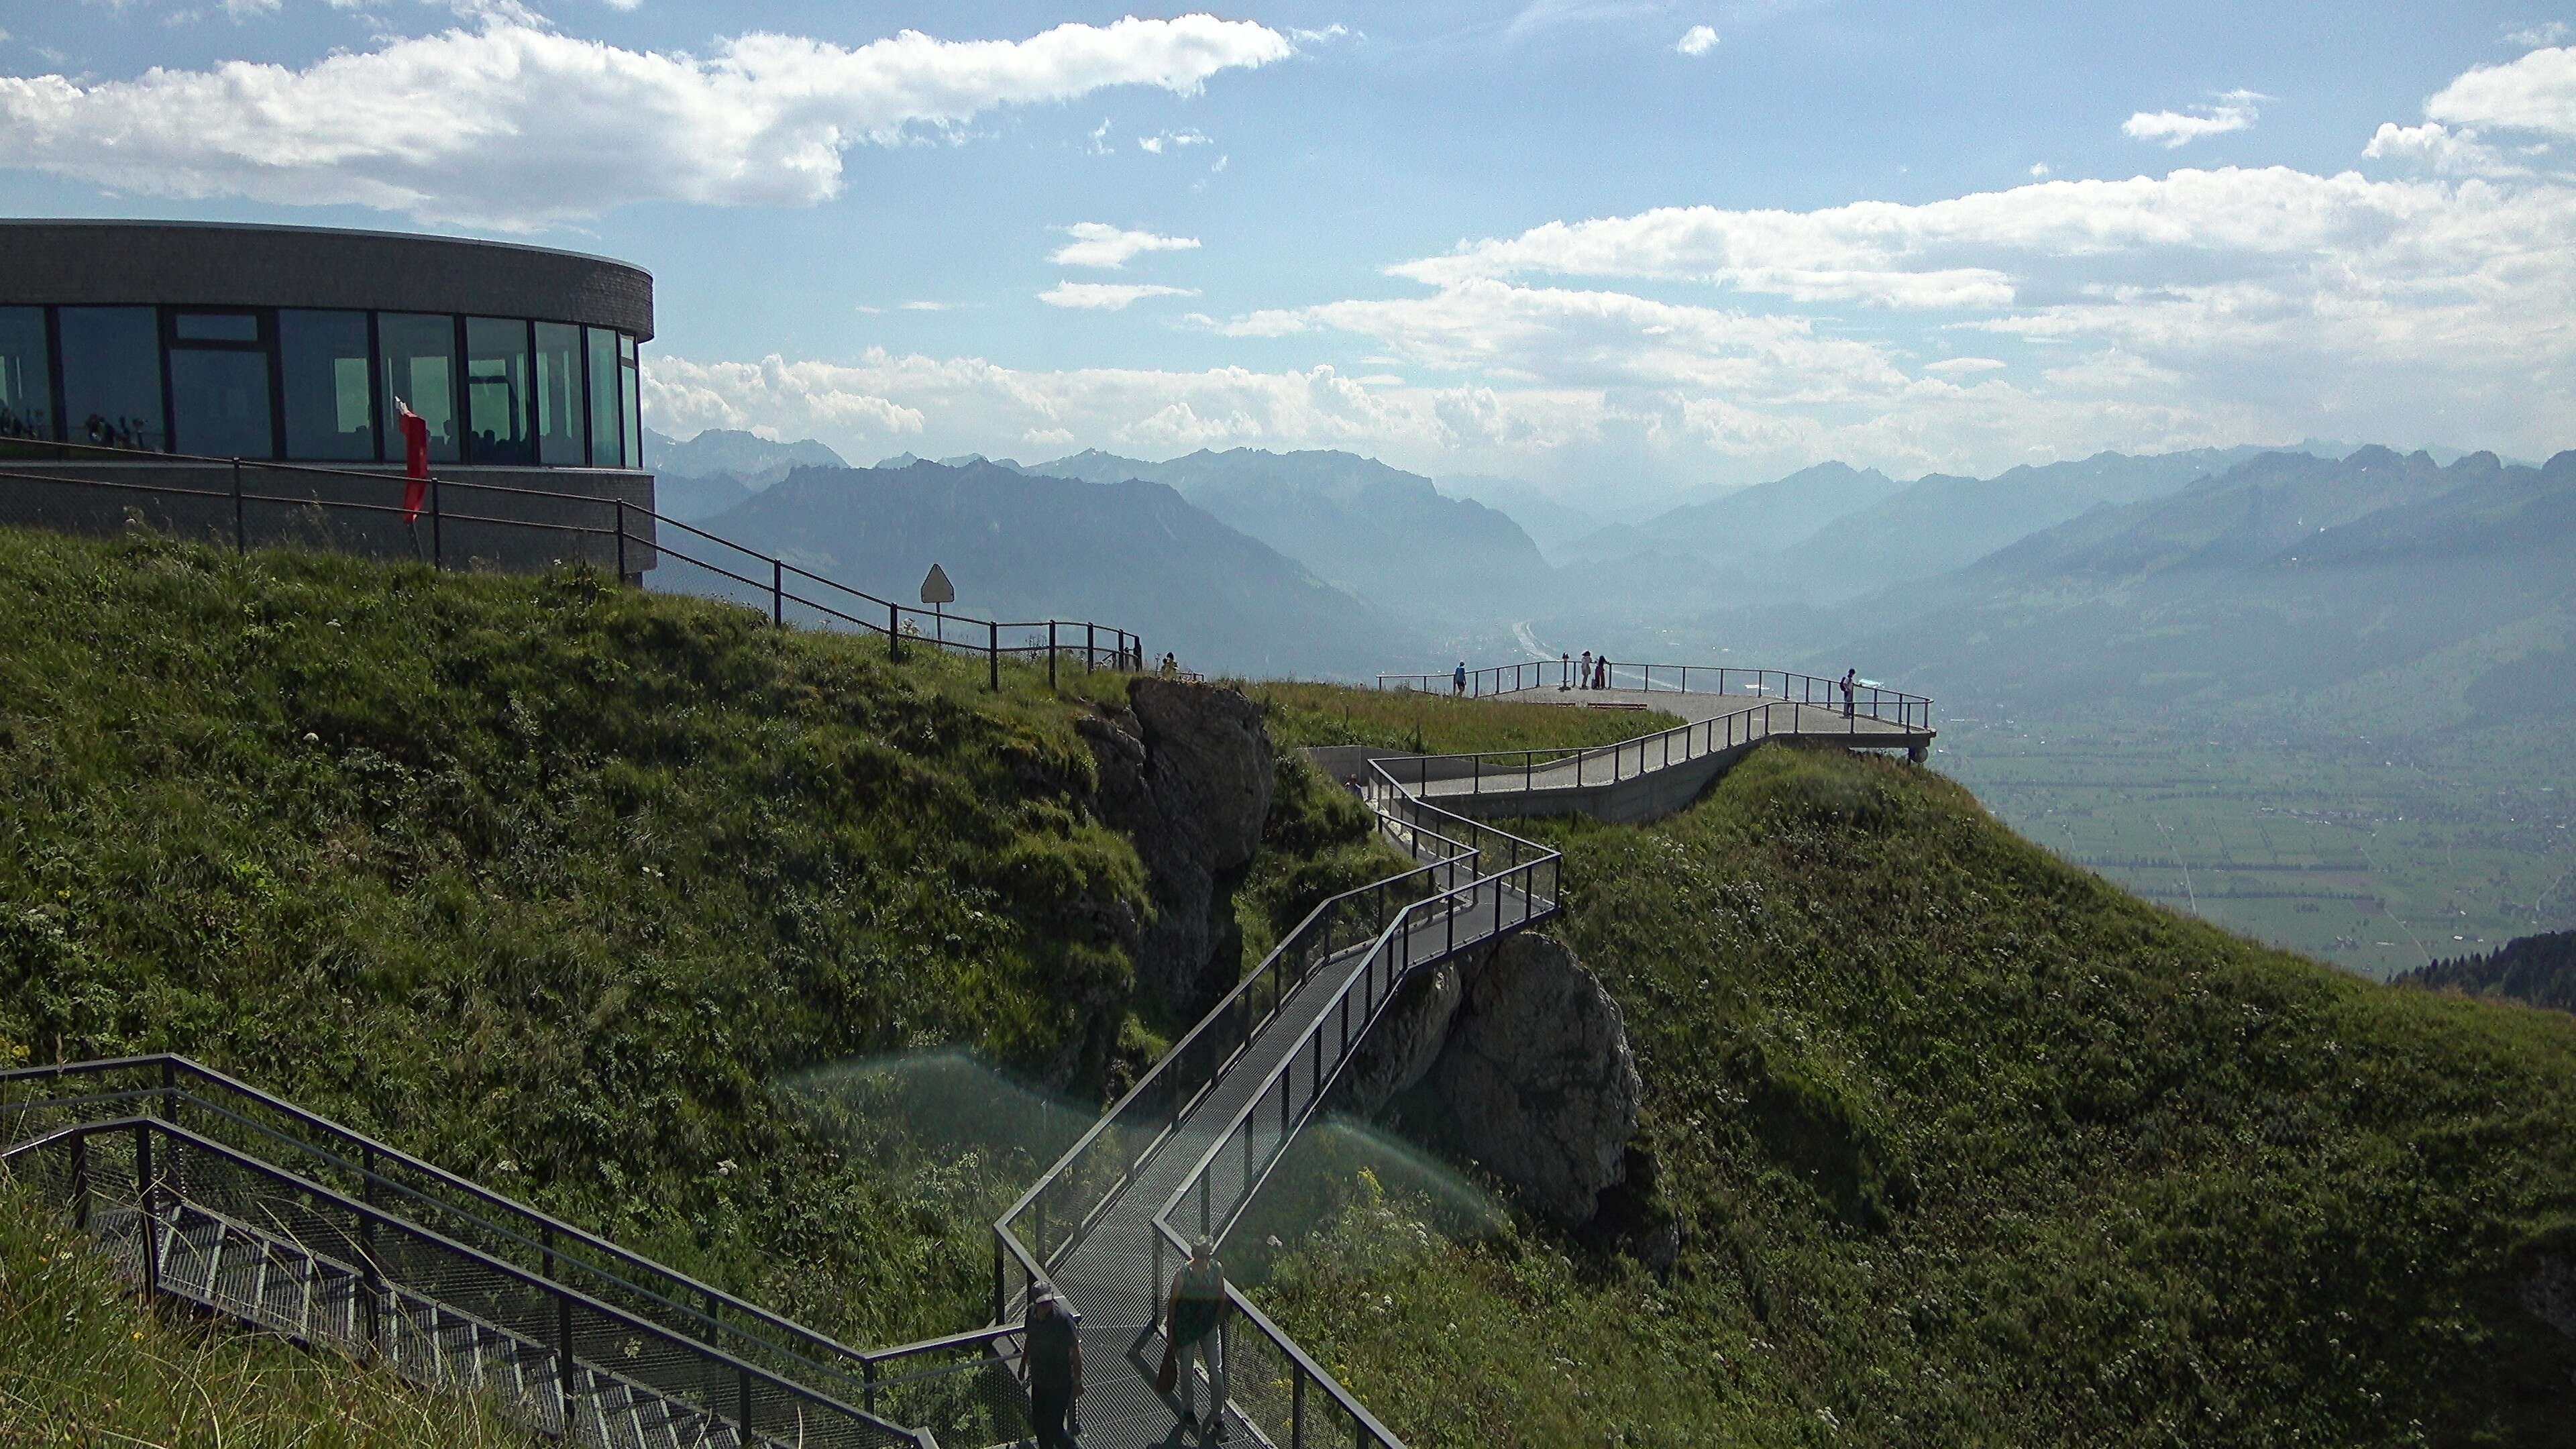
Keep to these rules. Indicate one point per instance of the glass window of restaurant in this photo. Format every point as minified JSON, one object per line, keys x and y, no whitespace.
{"x":561,"y":437}
{"x":111,"y":360}
{"x":607,"y":447}
{"x":419,"y":354}
{"x":329,"y":387}
{"x":630,"y":391}
{"x":498,"y":394}
{"x":219,"y":385}
{"x":26,"y":375}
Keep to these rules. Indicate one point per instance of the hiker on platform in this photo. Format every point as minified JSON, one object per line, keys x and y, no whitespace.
{"x":1600,"y":671}
{"x":1584,"y":679}
{"x":1458,"y":678}
{"x":1851,"y":677}
{"x":1171,"y":667}
{"x":1051,"y":1360}
{"x":1195,"y":1316}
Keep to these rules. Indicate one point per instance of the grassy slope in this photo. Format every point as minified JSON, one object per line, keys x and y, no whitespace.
{"x":550,"y":882}
{"x":82,"y":1364}
{"x":1303,"y":714}
{"x":1973,"y":1148}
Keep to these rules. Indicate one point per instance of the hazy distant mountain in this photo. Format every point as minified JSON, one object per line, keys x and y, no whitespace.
{"x":1939,"y":522}
{"x":1765,"y":518}
{"x":1384,"y":534}
{"x":2383,"y":592}
{"x":720,"y":468}
{"x":752,"y":460}
{"x":1022,"y":546}
{"x":694,"y":500}
{"x":1551,"y":522}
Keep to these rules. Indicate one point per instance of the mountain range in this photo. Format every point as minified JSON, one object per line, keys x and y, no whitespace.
{"x":1021,"y":546}
{"x":721,"y":468}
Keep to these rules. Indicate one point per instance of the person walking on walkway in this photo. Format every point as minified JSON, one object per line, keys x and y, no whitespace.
{"x":1051,"y":1360}
{"x":1851,"y":677}
{"x":1458,"y":678}
{"x":1195,"y":1314}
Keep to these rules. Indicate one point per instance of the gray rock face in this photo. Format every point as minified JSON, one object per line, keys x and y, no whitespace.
{"x":2551,"y":1293}
{"x":1536,"y":1081}
{"x":1406,"y":1042}
{"x":1187,"y":773}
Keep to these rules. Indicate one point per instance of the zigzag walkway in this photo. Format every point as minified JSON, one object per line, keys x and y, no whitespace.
{"x":217,"y":1195}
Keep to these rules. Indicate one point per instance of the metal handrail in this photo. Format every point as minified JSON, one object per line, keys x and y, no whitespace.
{"x":1501,"y":679}
{"x":716,"y":1312}
{"x":552,"y":1290}
{"x":1097,"y":641}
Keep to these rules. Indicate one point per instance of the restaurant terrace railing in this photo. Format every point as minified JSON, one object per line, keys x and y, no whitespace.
{"x":959,"y":1387}
{"x":456,"y":514}
{"x":1892,"y":706}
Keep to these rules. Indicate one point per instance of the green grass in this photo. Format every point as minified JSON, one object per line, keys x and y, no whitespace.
{"x":555,"y":883}
{"x":1970,"y":1147}
{"x":84,"y":1365}
{"x":1303,"y":714}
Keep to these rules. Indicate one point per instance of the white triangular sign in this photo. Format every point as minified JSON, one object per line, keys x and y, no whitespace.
{"x":935,"y":589}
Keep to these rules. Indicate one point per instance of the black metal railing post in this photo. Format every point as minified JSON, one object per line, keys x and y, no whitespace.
{"x":993,"y":656}
{"x":778,"y":593}
{"x":1050,"y":653}
{"x":894,"y":632}
{"x":145,"y":1189}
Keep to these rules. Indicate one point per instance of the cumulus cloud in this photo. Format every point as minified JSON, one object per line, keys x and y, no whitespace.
{"x":2548,"y":32}
{"x":2038,"y":169}
{"x":1107,"y":296}
{"x":514,"y":126}
{"x":1098,"y":244}
{"x":1157,"y":144}
{"x":1955,"y":366}
{"x":2235,"y":111}
{"x":2438,"y":148}
{"x":1698,"y":40}
{"x":2535,"y":93}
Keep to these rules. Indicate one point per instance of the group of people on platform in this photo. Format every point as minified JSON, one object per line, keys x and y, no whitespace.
{"x":1591,"y":672}
{"x":1193,"y":1317}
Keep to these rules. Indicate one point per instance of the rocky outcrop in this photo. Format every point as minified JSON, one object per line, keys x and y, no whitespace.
{"x":1407,"y":1041}
{"x":1533,"y":1081}
{"x":1187,"y":772}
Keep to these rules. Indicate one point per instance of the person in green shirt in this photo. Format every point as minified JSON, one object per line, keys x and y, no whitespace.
{"x":1195,"y":1313}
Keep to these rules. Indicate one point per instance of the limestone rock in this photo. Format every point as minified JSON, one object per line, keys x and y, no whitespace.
{"x":1537,"y":1082}
{"x":1187,"y":773}
{"x":1406,"y":1042}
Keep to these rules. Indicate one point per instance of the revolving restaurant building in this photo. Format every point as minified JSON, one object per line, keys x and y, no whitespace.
{"x":299,"y":345}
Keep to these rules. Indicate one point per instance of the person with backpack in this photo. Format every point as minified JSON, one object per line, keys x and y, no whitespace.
{"x":1051,"y":1360}
{"x":1195,"y":1315}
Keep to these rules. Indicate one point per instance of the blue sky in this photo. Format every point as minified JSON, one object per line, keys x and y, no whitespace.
{"x":1610,"y":247}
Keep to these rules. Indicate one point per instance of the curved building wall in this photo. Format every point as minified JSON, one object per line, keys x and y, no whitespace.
{"x":302,"y":345}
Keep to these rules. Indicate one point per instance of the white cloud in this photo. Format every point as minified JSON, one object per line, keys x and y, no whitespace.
{"x":2548,"y":32}
{"x":2535,"y":93}
{"x":2235,"y":111}
{"x":1954,"y":366}
{"x":1698,"y":40}
{"x":513,"y":126}
{"x":2038,"y":169}
{"x":1098,"y":244}
{"x":923,"y":306}
{"x":2438,"y":148}
{"x":1107,"y":296}
{"x":1539,"y":16}
{"x":240,"y":10}
{"x":1174,"y":140}
{"x":1326,"y":36}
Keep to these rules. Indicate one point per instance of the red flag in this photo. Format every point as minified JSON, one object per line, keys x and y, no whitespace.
{"x":415,"y":431}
